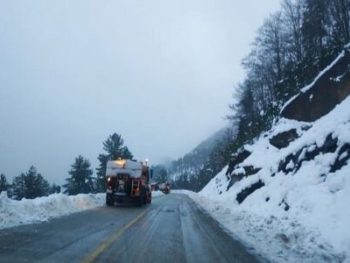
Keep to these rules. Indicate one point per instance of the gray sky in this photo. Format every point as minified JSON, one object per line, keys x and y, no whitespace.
{"x":159,"y":72}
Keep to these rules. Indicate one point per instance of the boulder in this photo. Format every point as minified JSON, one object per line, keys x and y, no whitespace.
{"x":237,"y":158}
{"x":342,"y":158}
{"x":293,"y":161}
{"x":250,"y":170}
{"x":241,"y":172}
{"x":330,"y":88}
{"x":283,"y":139}
{"x":249,"y":190}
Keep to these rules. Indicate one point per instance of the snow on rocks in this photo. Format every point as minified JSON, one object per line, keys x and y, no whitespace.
{"x":321,"y":74}
{"x":26,"y":211}
{"x":301,"y":212}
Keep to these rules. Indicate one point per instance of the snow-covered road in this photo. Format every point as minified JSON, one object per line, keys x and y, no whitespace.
{"x":277,"y":239}
{"x":171,"y":229}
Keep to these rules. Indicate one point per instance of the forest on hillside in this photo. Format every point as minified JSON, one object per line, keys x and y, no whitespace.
{"x":290,"y":48}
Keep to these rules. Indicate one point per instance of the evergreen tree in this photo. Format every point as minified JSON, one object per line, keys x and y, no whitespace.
{"x":36,"y":185}
{"x":19,"y":187}
{"x":340,"y":13}
{"x":3,"y":183}
{"x":114,"y":149}
{"x":80,"y":180}
{"x":30,"y":185}
{"x":55,"y":189}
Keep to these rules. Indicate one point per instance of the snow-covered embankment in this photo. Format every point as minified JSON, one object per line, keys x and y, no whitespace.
{"x":26,"y":211}
{"x":297,"y":210}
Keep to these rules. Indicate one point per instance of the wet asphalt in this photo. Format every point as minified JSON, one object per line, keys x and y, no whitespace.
{"x":172,"y":229}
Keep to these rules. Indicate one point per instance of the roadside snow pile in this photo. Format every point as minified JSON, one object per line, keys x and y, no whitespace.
{"x":293,"y":205}
{"x":26,"y":211}
{"x":157,"y":193}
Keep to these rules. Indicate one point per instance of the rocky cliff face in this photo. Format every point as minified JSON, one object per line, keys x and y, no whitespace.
{"x":293,"y":182}
{"x":295,"y":192}
{"x":329,"y":88}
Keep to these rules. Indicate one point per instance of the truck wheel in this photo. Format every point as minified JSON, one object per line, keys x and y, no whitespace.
{"x":109,"y":200}
{"x":149,"y":197}
{"x":143,"y":198}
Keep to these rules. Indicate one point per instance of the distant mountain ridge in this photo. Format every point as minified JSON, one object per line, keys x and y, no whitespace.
{"x":207,"y":145}
{"x":194,"y":166}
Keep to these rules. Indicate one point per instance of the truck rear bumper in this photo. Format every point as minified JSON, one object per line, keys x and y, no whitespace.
{"x":122,"y":198}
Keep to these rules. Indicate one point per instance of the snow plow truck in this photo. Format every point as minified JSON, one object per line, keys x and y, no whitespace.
{"x":128,"y":181}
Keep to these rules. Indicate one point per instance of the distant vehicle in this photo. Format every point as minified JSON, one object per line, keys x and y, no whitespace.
{"x":128,"y":181}
{"x":154,"y":186}
{"x":165,"y":188}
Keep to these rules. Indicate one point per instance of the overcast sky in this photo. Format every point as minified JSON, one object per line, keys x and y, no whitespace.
{"x":158,"y":72}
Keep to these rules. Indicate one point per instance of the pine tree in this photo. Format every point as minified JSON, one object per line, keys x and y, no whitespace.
{"x":80,"y":180}
{"x":30,"y":185}
{"x":36,"y":185}
{"x":19,"y":187}
{"x":115,"y":149}
{"x":315,"y":35}
{"x":55,"y":189}
{"x":340,"y":12}
{"x":3,"y":183}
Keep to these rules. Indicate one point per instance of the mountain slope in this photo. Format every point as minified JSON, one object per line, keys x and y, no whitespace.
{"x":287,"y":193}
{"x":188,"y":171}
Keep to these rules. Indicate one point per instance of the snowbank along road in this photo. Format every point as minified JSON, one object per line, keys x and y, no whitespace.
{"x":172,"y":229}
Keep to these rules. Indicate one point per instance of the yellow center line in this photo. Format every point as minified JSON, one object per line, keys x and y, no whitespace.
{"x":105,"y":244}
